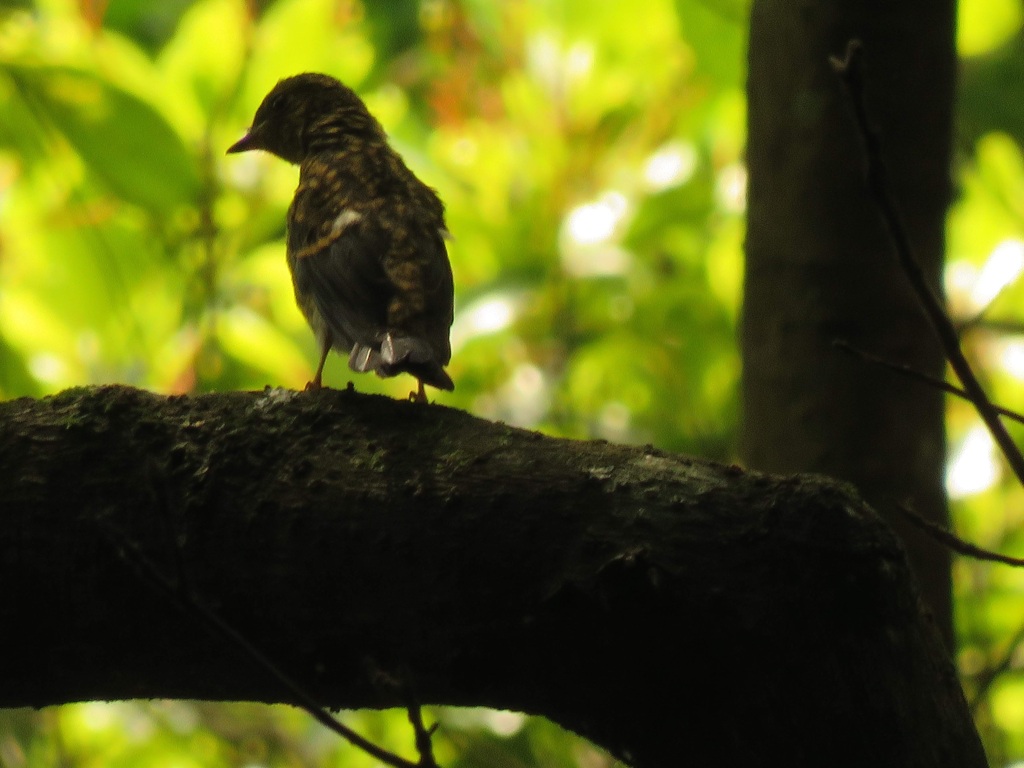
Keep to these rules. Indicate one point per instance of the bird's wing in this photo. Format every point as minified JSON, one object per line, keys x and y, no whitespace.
{"x":339,"y":261}
{"x":417,"y":266}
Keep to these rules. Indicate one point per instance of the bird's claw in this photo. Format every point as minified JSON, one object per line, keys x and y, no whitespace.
{"x":419,"y":396}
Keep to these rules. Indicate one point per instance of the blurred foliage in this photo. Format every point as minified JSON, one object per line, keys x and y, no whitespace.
{"x":592,"y":169}
{"x":592,"y":172}
{"x":985,"y":257}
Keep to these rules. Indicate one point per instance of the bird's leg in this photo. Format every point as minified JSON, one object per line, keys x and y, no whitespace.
{"x":317,"y":381}
{"x":420,"y":395}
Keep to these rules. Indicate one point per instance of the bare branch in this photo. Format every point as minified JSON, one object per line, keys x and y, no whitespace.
{"x":931,"y":381}
{"x":985,"y":679}
{"x":130,"y":553}
{"x":850,"y":69}
{"x":499,"y":567}
{"x":955,"y":543}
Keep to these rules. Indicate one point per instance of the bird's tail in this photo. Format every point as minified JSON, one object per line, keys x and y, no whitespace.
{"x":401,"y":354}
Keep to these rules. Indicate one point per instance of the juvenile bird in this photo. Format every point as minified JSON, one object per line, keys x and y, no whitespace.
{"x":366,"y":237}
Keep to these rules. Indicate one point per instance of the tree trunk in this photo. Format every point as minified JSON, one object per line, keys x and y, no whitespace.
{"x":675,"y":611}
{"x":820,"y":265}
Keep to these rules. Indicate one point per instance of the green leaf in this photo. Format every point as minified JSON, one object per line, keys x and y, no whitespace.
{"x":261,"y":346}
{"x":985,"y":80}
{"x":14,"y":374}
{"x":150,"y":25}
{"x":123,"y":140}
{"x":716,"y":31}
{"x":393,"y":29}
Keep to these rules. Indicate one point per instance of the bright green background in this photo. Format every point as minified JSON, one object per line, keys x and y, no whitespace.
{"x":590,"y":155}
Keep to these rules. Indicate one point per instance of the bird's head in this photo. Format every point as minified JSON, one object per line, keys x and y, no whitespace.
{"x":305,"y":113}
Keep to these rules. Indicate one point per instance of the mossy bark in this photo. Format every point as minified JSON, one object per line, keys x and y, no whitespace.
{"x":676,"y":611}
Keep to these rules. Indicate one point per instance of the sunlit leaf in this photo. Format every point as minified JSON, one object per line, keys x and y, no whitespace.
{"x":306,"y":36}
{"x":122,"y":139}
{"x":983,"y":25}
{"x":257,"y":343}
{"x":207,"y":72}
{"x":716,"y":29}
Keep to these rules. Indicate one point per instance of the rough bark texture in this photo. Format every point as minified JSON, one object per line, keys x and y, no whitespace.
{"x":820,"y":265}
{"x":675,"y":611}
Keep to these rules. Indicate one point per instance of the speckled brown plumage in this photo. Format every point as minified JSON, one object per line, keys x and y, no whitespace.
{"x":365,"y":236}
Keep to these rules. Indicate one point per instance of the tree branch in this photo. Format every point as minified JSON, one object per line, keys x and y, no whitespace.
{"x":672,"y":610}
{"x":850,"y":70}
{"x":912,"y":373}
{"x":211,"y":622}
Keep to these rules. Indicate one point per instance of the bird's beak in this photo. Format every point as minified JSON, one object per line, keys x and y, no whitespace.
{"x":245,"y":143}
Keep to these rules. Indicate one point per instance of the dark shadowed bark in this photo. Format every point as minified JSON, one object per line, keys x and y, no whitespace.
{"x":820,"y":264}
{"x":675,"y":611}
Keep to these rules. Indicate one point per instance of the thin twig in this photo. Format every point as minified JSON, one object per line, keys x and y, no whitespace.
{"x":955,"y":543}
{"x":970,"y":323}
{"x":931,"y":381}
{"x":850,"y":69}
{"x":1009,"y":327}
{"x":973,"y":551}
{"x":402,"y":683}
{"x":424,"y":745}
{"x":130,"y":553}
{"x":987,"y":677}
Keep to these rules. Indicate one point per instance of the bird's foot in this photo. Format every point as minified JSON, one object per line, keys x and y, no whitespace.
{"x":420,"y":395}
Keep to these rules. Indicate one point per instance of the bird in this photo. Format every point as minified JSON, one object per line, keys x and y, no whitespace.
{"x":365,"y":237}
